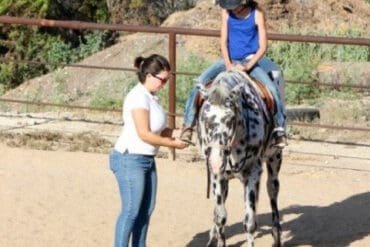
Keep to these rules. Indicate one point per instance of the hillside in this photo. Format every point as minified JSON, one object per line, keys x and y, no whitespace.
{"x":76,"y":85}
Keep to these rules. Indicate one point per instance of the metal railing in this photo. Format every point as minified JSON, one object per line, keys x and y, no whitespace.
{"x":172,"y":33}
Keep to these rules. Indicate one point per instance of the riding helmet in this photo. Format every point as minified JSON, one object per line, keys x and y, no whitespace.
{"x":231,"y":4}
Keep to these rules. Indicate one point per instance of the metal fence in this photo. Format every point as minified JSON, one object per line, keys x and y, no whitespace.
{"x":172,"y":34}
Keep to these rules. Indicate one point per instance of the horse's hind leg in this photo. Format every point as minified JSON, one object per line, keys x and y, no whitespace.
{"x":273,"y":167}
{"x":251,"y":190}
{"x":220,"y":191}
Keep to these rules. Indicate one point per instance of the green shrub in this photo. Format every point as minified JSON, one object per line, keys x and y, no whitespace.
{"x":111,"y":93}
{"x":299,"y":61}
{"x":184,"y":83}
{"x":48,"y":45}
{"x":94,"y":42}
{"x":59,"y":52}
{"x":5,"y":74}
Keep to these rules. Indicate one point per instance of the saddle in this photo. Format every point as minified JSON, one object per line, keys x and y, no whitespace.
{"x":266,"y":95}
{"x":262,"y":90}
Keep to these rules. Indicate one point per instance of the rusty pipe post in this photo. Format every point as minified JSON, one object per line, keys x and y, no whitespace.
{"x":172,"y":85}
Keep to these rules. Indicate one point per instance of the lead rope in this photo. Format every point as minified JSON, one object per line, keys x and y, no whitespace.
{"x":208,"y":179}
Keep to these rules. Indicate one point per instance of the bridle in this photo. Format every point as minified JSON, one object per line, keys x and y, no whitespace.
{"x":226,"y":148}
{"x":229,"y":145}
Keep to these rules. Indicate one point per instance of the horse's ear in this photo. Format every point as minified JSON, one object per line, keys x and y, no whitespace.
{"x":202,"y":90}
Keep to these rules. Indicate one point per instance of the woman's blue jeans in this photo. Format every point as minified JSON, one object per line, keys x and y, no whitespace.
{"x":258,"y":72}
{"x":137,"y":181}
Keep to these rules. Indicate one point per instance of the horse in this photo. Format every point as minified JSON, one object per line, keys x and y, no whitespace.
{"x":234,"y":133}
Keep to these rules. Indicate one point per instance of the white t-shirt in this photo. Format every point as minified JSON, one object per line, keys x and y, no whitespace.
{"x":140,"y":98}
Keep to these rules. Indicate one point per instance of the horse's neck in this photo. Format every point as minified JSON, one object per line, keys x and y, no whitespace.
{"x":251,"y":96}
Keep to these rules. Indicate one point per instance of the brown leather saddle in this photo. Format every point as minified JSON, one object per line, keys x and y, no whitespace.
{"x":263,"y":91}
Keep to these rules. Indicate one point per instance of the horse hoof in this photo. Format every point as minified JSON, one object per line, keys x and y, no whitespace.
{"x":215,"y":243}
{"x":211,"y":243}
{"x":277,"y":245}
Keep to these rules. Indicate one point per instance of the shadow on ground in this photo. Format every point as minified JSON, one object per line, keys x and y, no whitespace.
{"x":338,"y":224}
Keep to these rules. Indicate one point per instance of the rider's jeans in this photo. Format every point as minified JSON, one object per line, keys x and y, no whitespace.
{"x":258,"y":72}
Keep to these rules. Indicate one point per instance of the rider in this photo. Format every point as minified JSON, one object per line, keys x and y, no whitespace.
{"x":243,"y":45}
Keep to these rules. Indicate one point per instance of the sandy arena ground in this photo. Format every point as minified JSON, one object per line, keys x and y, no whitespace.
{"x":55,"y":198}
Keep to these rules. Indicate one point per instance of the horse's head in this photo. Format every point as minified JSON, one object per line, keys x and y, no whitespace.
{"x":218,"y":118}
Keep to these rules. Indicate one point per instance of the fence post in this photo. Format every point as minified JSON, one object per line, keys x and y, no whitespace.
{"x":172,"y":85}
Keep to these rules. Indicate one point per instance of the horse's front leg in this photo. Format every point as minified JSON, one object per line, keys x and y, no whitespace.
{"x":219,"y":191}
{"x":273,"y":167}
{"x":251,"y":190}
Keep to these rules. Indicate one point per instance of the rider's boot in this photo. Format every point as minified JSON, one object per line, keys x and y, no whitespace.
{"x":280,"y":140}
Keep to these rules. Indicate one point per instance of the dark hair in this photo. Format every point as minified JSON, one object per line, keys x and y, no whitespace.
{"x":150,"y":65}
{"x":233,"y":4}
{"x":251,"y":4}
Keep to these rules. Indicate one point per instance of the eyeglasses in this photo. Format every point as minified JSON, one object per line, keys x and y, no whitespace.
{"x":163,"y":80}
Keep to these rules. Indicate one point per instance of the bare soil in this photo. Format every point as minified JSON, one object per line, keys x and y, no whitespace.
{"x":68,"y":199}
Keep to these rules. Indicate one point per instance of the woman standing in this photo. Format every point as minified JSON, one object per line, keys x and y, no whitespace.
{"x":132,"y":160}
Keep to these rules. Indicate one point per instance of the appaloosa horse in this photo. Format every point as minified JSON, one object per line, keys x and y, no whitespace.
{"x":234,"y":132}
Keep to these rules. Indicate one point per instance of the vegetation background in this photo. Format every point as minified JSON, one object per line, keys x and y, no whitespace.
{"x":57,"y":45}
{"x":307,"y":62}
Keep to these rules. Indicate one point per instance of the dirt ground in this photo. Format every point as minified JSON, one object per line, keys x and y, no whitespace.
{"x":58,"y":198}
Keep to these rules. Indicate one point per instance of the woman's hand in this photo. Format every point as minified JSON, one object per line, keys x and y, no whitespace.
{"x":243,"y":67}
{"x":179,"y":144}
{"x":229,"y":66}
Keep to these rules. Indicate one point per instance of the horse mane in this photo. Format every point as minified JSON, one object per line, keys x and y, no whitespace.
{"x":223,"y":85}
{"x":218,"y":92}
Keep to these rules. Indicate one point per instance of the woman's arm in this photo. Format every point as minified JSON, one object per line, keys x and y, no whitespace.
{"x":224,"y":38}
{"x":167,"y":132}
{"x":262,"y":33}
{"x":141,"y":120}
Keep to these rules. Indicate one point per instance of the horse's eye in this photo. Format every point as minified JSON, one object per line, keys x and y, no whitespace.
{"x":228,"y":104}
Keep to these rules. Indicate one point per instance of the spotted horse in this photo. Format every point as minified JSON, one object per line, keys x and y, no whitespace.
{"x":234,"y":133}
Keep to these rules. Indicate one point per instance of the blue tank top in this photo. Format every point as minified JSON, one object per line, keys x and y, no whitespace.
{"x":243,"y":37}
